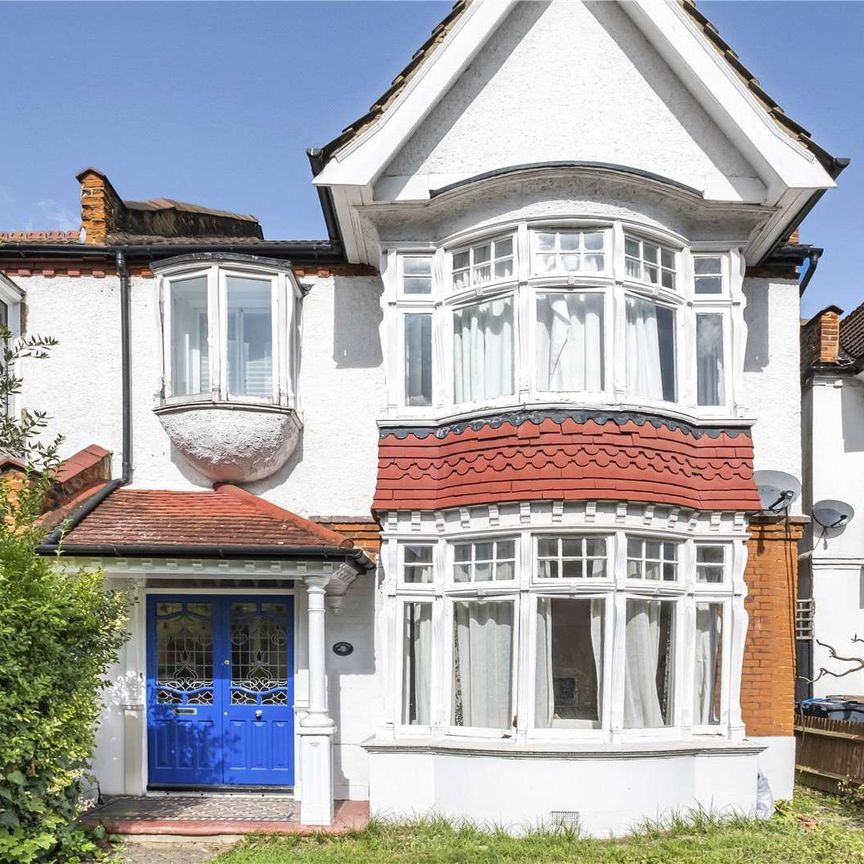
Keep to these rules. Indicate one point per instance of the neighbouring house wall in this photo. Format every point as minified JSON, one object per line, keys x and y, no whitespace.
{"x":341,"y":386}
{"x":836,"y":455}
{"x":768,"y":674}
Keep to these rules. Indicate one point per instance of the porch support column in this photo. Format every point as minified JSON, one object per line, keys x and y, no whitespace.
{"x":316,"y":728}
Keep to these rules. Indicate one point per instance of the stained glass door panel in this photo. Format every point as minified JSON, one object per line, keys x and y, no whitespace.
{"x":184,"y":723}
{"x":259,"y":737}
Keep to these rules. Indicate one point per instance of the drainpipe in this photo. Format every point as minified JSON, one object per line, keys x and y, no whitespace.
{"x":50,"y":544}
{"x":813,"y":257}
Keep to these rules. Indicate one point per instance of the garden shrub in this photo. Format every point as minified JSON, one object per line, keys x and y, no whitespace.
{"x":60,"y":630}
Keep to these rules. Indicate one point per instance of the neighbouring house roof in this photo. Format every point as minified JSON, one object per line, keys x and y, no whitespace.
{"x":852,"y":333}
{"x":50,"y":237}
{"x":443,"y":28}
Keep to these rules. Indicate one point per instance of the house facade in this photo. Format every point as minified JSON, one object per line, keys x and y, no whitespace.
{"x":455,"y":510}
{"x":831,"y":613}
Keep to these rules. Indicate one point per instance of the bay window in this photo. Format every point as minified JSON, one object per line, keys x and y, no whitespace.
{"x":600,"y":632}
{"x":228,"y":330}
{"x":596,"y":312}
{"x":483,"y":362}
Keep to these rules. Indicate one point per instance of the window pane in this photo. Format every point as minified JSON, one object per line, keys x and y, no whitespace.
{"x":482,"y":670}
{"x":709,"y":285}
{"x":418,"y":359}
{"x":594,"y":241}
{"x":417,"y":265}
{"x":710,"y":564}
{"x":709,"y":663}
{"x":416,"y":663}
{"x":648,"y":664}
{"x":483,"y":351}
{"x":250,"y":337}
{"x":190,"y":366}
{"x":650,"y":349}
{"x":707,"y":266}
{"x":570,"y":342}
{"x":418,"y":564}
{"x":545,"y":242}
{"x":504,"y":248}
{"x":569,"y":663}
{"x":709,"y":360}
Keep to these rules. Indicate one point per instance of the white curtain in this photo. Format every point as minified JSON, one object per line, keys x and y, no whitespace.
{"x":570,"y":342}
{"x":483,"y":351}
{"x":544,"y":693}
{"x":417,"y":664}
{"x":482,"y":668}
{"x":642,"y":655}
{"x":642,"y":344}
{"x":709,"y":633}
{"x":709,"y":360}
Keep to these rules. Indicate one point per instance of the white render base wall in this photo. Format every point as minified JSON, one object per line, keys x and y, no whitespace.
{"x":612,"y":791}
{"x":777,"y":763}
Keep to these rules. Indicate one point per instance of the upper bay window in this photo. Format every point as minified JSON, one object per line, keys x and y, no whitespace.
{"x":228,"y":333}
{"x":595,"y":314}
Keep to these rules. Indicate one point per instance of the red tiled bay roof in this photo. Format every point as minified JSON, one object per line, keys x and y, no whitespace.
{"x":228,"y":516}
{"x":537,"y":457}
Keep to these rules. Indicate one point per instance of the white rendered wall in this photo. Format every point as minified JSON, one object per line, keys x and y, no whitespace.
{"x":772,"y":375}
{"x":569,"y":81}
{"x":777,"y":764}
{"x":835,"y":457}
{"x":612,"y":794}
{"x":341,"y":387}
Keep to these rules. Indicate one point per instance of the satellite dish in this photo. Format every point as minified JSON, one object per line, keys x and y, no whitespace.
{"x":777,"y":490}
{"x":833,"y":514}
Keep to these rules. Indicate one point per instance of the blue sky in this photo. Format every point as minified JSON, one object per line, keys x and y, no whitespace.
{"x":216,"y":103}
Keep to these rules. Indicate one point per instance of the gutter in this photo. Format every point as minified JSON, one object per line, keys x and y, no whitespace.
{"x":354,"y":557}
{"x":50,"y":545}
{"x":324,"y":252}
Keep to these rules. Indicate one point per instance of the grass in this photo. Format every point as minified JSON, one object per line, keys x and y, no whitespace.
{"x":816,"y":828}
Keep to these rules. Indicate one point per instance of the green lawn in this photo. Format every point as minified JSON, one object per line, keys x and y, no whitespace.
{"x":816,"y":829}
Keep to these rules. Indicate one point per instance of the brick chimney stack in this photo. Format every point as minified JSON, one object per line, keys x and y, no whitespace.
{"x":820,"y":338}
{"x":100,"y":207}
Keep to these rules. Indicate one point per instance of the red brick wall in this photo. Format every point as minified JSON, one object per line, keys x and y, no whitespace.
{"x":768,"y":676}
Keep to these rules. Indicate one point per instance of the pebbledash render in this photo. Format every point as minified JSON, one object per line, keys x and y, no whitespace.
{"x":454,"y":511}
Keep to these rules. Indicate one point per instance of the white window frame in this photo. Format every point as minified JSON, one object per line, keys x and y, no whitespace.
{"x":492,"y":240}
{"x":598,"y":581}
{"x":723,"y":293}
{"x":419,"y":253}
{"x":13,"y":297}
{"x":285,"y":296}
{"x":642,"y":239}
{"x":473,"y":584}
{"x":420,"y":729}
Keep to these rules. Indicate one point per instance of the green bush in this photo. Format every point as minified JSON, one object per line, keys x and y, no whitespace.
{"x":60,"y":631}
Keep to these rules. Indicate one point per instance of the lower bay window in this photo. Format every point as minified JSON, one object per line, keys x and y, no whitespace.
{"x":599,"y":632}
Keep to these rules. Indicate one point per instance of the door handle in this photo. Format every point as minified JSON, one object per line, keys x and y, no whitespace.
{"x":259,"y":714}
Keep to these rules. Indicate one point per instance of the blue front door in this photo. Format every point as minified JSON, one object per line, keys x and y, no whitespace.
{"x":220,"y":690}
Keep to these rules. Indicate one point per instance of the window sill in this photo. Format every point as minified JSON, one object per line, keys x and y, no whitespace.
{"x":573,"y":749}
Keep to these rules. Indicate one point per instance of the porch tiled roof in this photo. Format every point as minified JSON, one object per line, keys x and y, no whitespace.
{"x":49,"y":237}
{"x":227,"y":516}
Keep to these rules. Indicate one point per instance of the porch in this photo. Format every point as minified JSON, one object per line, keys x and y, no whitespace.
{"x":214,"y":815}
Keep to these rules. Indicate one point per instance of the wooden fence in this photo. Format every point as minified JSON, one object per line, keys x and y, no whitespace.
{"x":829,"y":752}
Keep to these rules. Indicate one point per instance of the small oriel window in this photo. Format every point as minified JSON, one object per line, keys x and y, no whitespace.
{"x":228,"y":332}
{"x":649,"y":262}
{"x":490,"y":261}
{"x":494,"y":561}
{"x":571,"y":557}
{"x":569,"y":252}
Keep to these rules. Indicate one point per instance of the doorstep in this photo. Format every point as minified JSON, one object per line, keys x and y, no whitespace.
{"x":213,"y":816}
